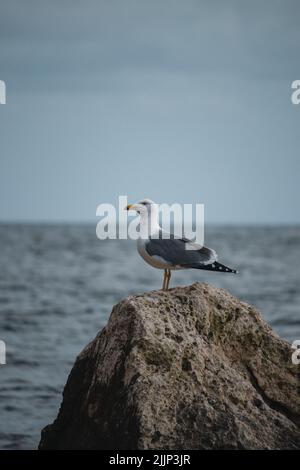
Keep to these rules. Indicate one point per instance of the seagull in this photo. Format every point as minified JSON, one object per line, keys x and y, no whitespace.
{"x":163,"y":250}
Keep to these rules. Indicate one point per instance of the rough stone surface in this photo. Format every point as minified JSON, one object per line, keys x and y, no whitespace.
{"x":192,"y":368}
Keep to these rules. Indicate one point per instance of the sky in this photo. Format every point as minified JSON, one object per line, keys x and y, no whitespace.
{"x":177,"y":101}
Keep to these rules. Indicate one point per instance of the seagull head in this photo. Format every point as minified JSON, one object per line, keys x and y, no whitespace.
{"x":148,"y":212}
{"x":145,"y":206}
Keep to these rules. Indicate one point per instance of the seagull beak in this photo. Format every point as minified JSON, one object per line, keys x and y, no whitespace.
{"x":127,"y":208}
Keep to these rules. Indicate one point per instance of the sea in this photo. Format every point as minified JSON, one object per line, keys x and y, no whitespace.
{"x":58,"y":284}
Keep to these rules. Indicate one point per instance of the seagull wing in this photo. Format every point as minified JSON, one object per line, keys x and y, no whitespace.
{"x":175,"y":252}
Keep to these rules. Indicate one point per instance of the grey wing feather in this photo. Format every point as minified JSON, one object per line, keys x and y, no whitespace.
{"x":174,"y":251}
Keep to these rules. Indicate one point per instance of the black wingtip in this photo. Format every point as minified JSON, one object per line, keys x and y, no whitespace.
{"x":221,"y":268}
{"x":217,"y":267}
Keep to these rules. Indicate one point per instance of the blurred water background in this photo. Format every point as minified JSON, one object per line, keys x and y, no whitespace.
{"x":58,"y":284}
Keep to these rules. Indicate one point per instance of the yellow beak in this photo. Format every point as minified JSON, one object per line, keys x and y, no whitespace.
{"x":127,"y":208}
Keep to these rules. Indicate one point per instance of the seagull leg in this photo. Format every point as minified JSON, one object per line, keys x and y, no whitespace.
{"x":165,"y":280}
{"x":168,"y":279}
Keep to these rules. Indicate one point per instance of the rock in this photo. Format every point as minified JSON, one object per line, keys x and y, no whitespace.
{"x":192,"y":368}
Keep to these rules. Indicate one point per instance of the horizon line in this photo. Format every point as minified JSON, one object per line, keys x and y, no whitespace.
{"x":94,"y":222}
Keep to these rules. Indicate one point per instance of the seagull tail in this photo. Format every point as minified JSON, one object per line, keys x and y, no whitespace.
{"x":216,"y":267}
